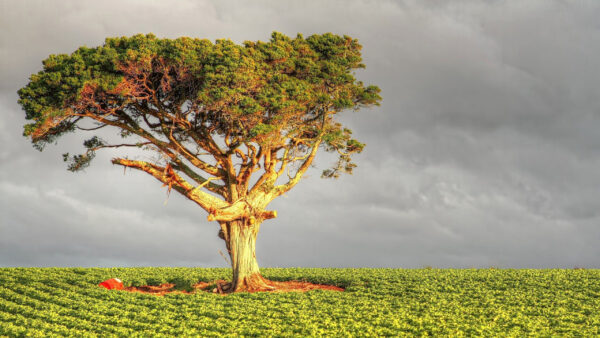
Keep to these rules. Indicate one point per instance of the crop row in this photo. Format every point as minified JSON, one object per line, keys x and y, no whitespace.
{"x":67,"y":301}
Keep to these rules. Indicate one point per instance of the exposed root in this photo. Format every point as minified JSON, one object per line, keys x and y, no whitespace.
{"x":265,"y":285}
{"x":224,"y":287}
{"x":252,"y":283}
{"x":158,"y":290}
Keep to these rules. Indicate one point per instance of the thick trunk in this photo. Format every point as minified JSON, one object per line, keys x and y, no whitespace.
{"x":240,"y":236}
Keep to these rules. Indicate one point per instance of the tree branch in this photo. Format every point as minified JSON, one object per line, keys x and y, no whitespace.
{"x":167,"y":148}
{"x":282,"y":189}
{"x":168,"y":177}
{"x":175,"y":145}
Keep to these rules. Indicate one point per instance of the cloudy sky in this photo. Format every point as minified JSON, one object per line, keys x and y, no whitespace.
{"x":484,"y":152}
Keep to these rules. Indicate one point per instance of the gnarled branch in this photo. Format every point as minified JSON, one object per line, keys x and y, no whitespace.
{"x":172,"y":179}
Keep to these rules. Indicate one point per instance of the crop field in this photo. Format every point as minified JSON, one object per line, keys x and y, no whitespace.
{"x":376,"y":302}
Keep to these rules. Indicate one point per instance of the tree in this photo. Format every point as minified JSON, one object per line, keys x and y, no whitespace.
{"x":234,"y":126}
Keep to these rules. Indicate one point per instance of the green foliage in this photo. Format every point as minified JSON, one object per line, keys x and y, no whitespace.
{"x":262,"y":129}
{"x":78,"y":162}
{"x":377,"y":302}
{"x":340,"y":139}
{"x":52,"y":90}
{"x":82,"y":161}
{"x":262,"y":92}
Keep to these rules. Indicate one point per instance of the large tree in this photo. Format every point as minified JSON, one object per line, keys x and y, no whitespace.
{"x":234,"y":126}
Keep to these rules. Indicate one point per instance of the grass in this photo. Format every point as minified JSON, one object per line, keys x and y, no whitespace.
{"x":430,"y":302}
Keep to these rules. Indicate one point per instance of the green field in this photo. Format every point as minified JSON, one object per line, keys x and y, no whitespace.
{"x":67,"y":301}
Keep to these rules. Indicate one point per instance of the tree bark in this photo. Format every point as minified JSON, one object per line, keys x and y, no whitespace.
{"x":240,"y":237}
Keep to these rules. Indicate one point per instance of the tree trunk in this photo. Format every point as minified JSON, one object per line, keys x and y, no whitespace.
{"x":240,"y":236}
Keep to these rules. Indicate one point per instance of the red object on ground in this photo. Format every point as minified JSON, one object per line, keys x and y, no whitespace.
{"x":113,"y":283}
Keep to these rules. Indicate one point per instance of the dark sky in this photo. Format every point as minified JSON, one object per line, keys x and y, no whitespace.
{"x":484,"y":152}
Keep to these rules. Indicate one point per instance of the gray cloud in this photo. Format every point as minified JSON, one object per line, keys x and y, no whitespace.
{"x":484,"y":152}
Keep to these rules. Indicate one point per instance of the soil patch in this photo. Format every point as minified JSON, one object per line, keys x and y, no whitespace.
{"x":158,"y":290}
{"x":221,"y":286}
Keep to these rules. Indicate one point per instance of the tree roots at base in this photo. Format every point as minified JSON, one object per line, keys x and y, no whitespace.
{"x":253,"y":283}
